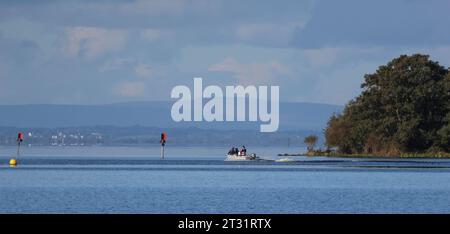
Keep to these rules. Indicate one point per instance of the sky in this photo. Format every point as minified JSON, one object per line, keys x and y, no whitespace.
{"x":98,"y":52}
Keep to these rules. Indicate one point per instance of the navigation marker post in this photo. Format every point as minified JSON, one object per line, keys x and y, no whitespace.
{"x":163,"y":143}
{"x":13,"y":161}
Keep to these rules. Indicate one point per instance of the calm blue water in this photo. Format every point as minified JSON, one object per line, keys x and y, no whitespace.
{"x":197,"y":180}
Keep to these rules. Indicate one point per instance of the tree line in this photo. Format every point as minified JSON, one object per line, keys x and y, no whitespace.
{"x":404,"y":107}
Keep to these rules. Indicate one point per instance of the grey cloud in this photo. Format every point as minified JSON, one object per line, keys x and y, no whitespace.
{"x":372,"y":23}
{"x":164,"y":43}
{"x":195,"y":22}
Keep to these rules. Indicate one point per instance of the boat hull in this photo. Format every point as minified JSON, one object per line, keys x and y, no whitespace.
{"x":241,"y":158}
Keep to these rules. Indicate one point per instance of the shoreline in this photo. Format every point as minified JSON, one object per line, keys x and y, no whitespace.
{"x":342,"y":155}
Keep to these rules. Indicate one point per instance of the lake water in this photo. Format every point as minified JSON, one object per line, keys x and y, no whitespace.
{"x":197,"y":180}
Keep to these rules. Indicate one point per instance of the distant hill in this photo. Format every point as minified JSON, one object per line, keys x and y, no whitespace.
{"x":293,"y":116}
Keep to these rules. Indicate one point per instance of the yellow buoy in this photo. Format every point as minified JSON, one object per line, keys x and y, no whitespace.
{"x":12,"y":162}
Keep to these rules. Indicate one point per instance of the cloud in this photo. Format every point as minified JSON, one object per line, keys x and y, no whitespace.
{"x":90,"y":42}
{"x":130,"y":88}
{"x":115,"y":64}
{"x":129,"y":65}
{"x":157,"y":35}
{"x":151,"y":35}
{"x":3,"y":73}
{"x":307,"y":48}
{"x":326,"y":57}
{"x":143,"y":70}
{"x":251,"y":73}
{"x":376,"y":23}
{"x":321,"y":57}
{"x":153,"y":8}
{"x":194,"y":22}
{"x":338,"y":86}
{"x":268,"y":33}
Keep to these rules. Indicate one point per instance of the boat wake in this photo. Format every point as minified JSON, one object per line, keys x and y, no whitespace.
{"x":285,"y":160}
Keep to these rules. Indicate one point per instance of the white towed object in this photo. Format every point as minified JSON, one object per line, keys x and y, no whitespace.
{"x":234,"y":157}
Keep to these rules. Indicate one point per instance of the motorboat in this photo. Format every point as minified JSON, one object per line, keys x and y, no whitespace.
{"x":237,"y":157}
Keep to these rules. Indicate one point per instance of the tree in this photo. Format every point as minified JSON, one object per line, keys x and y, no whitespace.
{"x":311,"y":141}
{"x":404,"y":107}
{"x":444,"y":132}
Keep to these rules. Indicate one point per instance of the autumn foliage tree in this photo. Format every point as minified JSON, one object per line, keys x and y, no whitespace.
{"x":404,"y":107}
{"x":311,"y":141}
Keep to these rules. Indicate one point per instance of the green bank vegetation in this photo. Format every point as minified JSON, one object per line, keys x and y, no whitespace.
{"x":403,"y":111}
